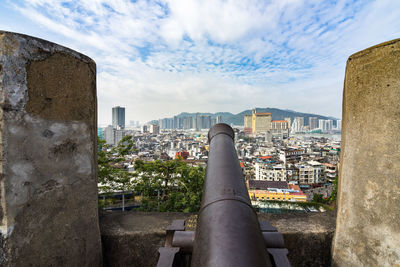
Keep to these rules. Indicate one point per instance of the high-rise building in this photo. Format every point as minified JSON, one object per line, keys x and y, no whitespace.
{"x":187,"y":123}
{"x":213,"y":121}
{"x":298,"y":124}
{"x":313,"y":123}
{"x":339,"y":125}
{"x":260,"y":122}
{"x":277,"y":126}
{"x":219,"y":119}
{"x":109,"y":135}
{"x":166,"y":123}
{"x":321,"y":124}
{"x":326,"y":125}
{"x":248,"y":124}
{"x":205,"y":122}
{"x":118,"y":135}
{"x":100,"y":133}
{"x":118,"y":117}
{"x":329,"y":125}
{"x":154,"y":129}
{"x":197,"y":122}
{"x":289,"y":120}
{"x":300,"y":121}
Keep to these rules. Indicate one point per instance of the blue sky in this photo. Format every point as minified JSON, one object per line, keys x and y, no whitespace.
{"x":159,"y":58}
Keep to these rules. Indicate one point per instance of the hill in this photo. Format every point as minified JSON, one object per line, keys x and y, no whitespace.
{"x":237,"y":119}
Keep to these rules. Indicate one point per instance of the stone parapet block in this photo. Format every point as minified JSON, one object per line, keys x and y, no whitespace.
{"x":368,"y":228}
{"x":48,"y":169}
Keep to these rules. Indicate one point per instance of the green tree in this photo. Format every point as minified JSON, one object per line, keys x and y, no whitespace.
{"x":169,"y":185}
{"x":164,"y":185}
{"x":333,"y":197}
{"x":319,"y":198}
{"x":111,"y":172}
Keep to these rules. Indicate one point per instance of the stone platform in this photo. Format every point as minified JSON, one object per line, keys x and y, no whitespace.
{"x":133,"y":238}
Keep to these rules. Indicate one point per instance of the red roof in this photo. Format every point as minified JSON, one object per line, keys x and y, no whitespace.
{"x":266,"y":157}
{"x":294,"y":187}
{"x":241,"y":165}
{"x":280,"y":121}
{"x":297,"y":193}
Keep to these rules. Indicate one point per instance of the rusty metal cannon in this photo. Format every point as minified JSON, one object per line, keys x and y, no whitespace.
{"x":228,"y":232}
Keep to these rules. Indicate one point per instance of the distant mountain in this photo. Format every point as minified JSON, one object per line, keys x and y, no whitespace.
{"x":238,"y":119}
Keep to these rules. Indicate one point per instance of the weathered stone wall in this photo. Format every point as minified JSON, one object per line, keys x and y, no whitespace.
{"x":48,"y":179}
{"x":368,"y":219}
{"x":133,"y":238}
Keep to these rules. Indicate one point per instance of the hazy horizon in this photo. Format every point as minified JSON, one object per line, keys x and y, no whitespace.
{"x":145,"y":122}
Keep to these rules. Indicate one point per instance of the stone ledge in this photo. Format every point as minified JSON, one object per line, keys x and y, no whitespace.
{"x":133,"y":238}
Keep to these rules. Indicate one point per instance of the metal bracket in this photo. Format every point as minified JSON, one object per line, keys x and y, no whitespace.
{"x":275,"y":244}
{"x":168,"y":252}
{"x":178,"y":240}
{"x":167,"y":256}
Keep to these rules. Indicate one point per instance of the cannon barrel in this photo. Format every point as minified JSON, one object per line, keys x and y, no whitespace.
{"x":228,"y":232}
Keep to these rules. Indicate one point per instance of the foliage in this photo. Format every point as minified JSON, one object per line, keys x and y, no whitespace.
{"x":112,"y":174}
{"x":169,"y":185}
{"x":319,"y":198}
{"x":333,"y":197}
{"x":163,"y":185}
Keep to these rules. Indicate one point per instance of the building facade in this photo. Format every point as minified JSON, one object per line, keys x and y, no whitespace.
{"x":280,"y":127}
{"x":118,"y":117}
{"x":270,"y":173}
{"x":248,"y":124}
{"x":260,"y":122}
{"x":154,"y":129}
{"x":313,"y":123}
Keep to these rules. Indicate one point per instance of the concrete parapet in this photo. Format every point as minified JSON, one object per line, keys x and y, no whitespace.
{"x":368,"y":228}
{"x":133,"y":238}
{"x":48,"y":182}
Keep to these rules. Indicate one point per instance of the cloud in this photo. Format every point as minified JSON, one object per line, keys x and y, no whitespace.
{"x":158,"y":58}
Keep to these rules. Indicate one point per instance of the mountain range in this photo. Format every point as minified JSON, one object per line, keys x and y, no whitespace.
{"x":238,"y":119}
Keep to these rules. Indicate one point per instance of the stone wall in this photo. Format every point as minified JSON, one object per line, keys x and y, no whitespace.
{"x":133,"y":238}
{"x":368,"y":228}
{"x":48,"y":168}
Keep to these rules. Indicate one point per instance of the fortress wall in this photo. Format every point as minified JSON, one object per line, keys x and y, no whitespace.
{"x":368,"y":228}
{"x":48,"y":179}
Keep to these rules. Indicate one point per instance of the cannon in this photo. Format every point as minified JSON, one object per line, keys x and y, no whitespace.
{"x":228,"y":232}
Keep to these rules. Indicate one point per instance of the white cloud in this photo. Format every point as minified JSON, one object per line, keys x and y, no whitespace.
{"x":158,"y":58}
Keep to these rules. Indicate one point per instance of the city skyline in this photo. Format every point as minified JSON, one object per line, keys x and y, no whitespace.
{"x":217,"y":116}
{"x":157,"y":58}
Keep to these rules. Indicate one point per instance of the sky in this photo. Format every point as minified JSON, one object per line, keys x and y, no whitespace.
{"x":160,"y":58}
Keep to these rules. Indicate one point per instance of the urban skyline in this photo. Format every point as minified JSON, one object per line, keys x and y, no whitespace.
{"x":253,"y":124}
{"x":213,"y":116}
{"x":160,"y":57}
